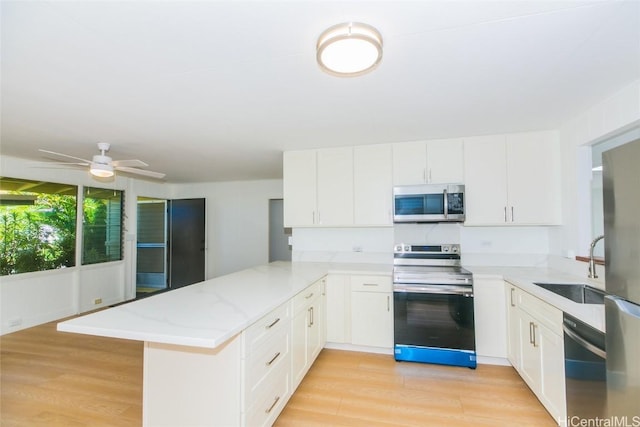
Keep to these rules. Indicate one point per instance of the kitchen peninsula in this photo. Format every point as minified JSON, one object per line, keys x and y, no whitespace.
{"x":232,"y":350}
{"x":208,"y":346}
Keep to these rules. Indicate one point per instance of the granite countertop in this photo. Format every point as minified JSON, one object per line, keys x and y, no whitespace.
{"x":208,"y":313}
{"x":524,"y":277}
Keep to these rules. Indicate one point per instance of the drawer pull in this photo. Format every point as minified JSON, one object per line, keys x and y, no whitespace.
{"x":369,"y":284}
{"x":309,"y":296}
{"x":273,"y":324}
{"x":275,"y":402}
{"x":273,"y":359}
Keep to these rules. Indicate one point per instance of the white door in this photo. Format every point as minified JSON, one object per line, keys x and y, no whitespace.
{"x":299,"y":188}
{"x":335,"y":187}
{"x":409,"y":163}
{"x":445,"y":161}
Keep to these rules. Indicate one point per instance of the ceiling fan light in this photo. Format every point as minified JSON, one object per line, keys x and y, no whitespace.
{"x":349,"y":49}
{"x":101,"y":171}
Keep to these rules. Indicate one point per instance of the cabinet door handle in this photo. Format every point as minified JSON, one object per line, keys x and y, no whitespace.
{"x":312,"y":317}
{"x":512,"y":291}
{"x":505,"y":214}
{"x":272,"y":324}
{"x":388,"y":303}
{"x":309,"y":296}
{"x":272,"y":405}
{"x":531,"y":333}
{"x":313,"y":217}
{"x":512,"y":214}
{"x":273,"y":359}
{"x":535,"y":343}
{"x":424,"y":175}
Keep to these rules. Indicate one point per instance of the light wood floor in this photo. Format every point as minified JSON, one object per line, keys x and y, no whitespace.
{"x":50,"y":378}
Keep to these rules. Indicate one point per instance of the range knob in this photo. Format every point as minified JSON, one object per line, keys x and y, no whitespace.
{"x":407,"y":248}
{"x":446,"y":248}
{"x":455,"y":249}
{"x":398,"y":248}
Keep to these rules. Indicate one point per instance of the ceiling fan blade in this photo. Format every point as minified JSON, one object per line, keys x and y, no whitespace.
{"x":150,"y":174}
{"x":129,"y":163}
{"x":65,"y":155}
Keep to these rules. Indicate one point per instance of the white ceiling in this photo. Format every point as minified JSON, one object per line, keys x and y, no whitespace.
{"x":216,"y":90}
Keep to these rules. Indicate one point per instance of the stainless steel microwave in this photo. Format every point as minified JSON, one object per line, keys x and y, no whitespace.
{"x":428,"y":203}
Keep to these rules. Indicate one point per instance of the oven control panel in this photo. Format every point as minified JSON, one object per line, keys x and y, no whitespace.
{"x":427,"y":249}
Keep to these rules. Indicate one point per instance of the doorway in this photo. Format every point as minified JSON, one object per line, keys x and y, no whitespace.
{"x":151,"y":247}
{"x":171,"y":244}
{"x":279,"y":248}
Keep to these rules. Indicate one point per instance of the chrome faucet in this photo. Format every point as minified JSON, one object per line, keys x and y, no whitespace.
{"x":592,"y":261}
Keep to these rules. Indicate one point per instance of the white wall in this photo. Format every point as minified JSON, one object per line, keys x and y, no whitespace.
{"x":237,"y":238}
{"x":610,"y":117}
{"x":237,"y":221}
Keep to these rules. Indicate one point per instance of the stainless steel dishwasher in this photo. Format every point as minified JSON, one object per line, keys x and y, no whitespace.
{"x":585,"y":370}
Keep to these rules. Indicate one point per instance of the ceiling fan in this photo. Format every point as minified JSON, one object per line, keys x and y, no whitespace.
{"x":104,"y":166}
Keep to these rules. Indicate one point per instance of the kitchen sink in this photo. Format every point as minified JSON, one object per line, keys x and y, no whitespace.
{"x":577,"y":292}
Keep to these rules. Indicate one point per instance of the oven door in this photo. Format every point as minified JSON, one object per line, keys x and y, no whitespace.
{"x":437,"y":316}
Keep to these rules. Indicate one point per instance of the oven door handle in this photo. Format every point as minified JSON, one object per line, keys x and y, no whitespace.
{"x":466,"y":291}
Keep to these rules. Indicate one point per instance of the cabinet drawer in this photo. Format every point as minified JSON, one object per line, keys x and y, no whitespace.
{"x":545,"y":313}
{"x":269,"y":399}
{"x":371,"y":283}
{"x":306,"y":297}
{"x":261,"y":331}
{"x":266,"y":359}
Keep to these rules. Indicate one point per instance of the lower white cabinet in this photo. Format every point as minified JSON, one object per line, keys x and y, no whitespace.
{"x":338,"y":308}
{"x":307,"y":335}
{"x":513,"y":325}
{"x":536,"y":328}
{"x":490,"y":317}
{"x":266,"y":367}
{"x":372,"y":311}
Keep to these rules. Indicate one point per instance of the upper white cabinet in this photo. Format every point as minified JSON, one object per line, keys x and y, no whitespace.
{"x":428,"y":162}
{"x":318,"y":187}
{"x":372,"y":184}
{"x":335,"y":187}
{"x":512,"y":179}
{"x":299,"y":188}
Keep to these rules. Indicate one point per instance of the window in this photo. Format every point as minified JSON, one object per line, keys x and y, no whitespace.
{"x":37,"y":225}
{"x":102,"y":225}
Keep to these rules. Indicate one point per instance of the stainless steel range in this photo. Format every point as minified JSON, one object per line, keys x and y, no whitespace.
{"x":433,"y":306}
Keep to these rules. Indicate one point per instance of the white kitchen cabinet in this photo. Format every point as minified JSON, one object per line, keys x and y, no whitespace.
{"x":372,"y":311}
{"x":335,"y":187}
{"x":490,"y":318}
{"x":541,"y":350}
{"x":372,"y":185}
{"x":266,"y":367}
{"x":428,"y":162}
{"x":299,"y":188}
{"x":512,"y":179}
{"x":318,"y":187}
{"x":513,"y":325}
{"x":307,"y":338}
{"x":338,"y":308}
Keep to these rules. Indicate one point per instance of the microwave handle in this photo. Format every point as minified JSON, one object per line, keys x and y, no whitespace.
{"x":445,"y":200}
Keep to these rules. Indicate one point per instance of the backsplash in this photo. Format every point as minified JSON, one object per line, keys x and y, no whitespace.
{"x":503,"y":246}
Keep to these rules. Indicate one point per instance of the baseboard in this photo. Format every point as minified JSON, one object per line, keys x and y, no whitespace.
{"x":487,"y":360}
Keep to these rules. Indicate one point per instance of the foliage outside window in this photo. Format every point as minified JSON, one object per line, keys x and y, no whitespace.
{"x":37,"y":226}
{"x":102,"y":225}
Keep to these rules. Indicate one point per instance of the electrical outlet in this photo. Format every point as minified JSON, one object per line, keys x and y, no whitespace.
{"x":15,"y":322}
{"x":97,"y":301}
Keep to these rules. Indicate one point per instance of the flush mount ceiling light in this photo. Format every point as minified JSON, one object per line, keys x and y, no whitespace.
{"x":350,"y":49}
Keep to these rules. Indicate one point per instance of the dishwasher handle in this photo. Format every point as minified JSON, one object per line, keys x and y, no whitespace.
{"x":583,"y":342}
